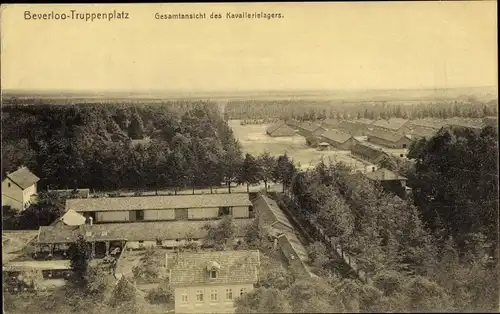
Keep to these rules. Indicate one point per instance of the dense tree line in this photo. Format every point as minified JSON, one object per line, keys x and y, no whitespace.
{"x":455,"y":185}
{"x":413,"y":267}
{"x":435,"y":252}
{"x":92,"y":145}
{"x":318,"y":110}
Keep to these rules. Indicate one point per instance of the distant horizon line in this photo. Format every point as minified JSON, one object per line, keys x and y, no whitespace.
{"x":84,"y":91}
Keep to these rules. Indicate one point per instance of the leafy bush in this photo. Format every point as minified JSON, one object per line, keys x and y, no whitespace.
{"x":160,"y":294}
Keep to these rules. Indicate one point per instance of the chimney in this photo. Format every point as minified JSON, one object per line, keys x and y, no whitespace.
{"x":90,"y":221}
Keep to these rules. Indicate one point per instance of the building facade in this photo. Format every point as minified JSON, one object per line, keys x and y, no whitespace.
{"x":19,"y":189}
{"x":104,"y":238}
{"x":390,"y":139}
{"x":338,"y":139}
{"x":162,"y":208}
{"x":209,"y":282}
{"x":369,"y":153}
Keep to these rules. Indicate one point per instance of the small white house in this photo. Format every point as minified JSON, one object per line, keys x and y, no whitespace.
{"x":19,"y":188}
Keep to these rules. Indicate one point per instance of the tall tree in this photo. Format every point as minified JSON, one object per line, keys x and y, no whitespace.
{"x":268,"y":165}
{"x":250,"y":171}
{"x":80,"y":255}
{"x":136,"y":127}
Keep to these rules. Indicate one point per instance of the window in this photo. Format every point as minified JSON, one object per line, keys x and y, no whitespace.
{"x":213,"y":295}
{"x":159,"y":242}
{"x":8,"y":184}
{"x":404,"y":145}
{"x":199,"y":295}
{"x":141,"y":242}
{"x":139,"y":215}
{"x":229,"y":294}
{"x":213,"y":274}
{"x":185,"y":297}
{"x":181,"y":214}
{"x":242,"y":291}
{"x":223,"y":211}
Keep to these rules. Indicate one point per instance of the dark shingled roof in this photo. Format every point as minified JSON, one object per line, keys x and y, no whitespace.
{"x":383,"y":174}
{"x":355,"y":129}
{"x":137,"y":231}
{"x":337,"y":136}
{"x":282,"y":126}
{"x":431,"y":123}
{"x":233,"y":267}
{"x":330,"y":123}
{"x":270,"y":211}
{"x":391,"y":124}
{"x":368,"y":151}
{"x":275,"y":126}
{"x":386,"y":135}
{"x":158,"y":202}
{"x":308,"y":126}
{"x":473,"y":124}
{"x":23,"y":177}
{"x":419,"y":132}
{"x":365,"y":121}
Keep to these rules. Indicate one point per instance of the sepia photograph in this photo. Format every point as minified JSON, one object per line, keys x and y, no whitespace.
{"x":293,"y":157}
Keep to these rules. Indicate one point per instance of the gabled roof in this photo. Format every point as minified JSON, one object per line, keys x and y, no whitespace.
{"x":476,"y":124}
{"x":337,"y":136}
{"x":270,"y":211}
{"x":137,"y":231}
{"x":383,"y":174}
{"x":282,"y":126}
{"x":23,"y":177}
{"x":367,"y":150}
{"x":158,"y":202}
{"x":308,"y":126}
{"x":348,"y":123}
{"x":72,"y":218}
{"x":236,"y":267}
{"x":386,"y":135}
{"x":330,"y":122}
{"x":431,"y":123}
{"x":275,"y":126}
{"x":391,"y":124}
{"x":418,"y":131}
{"x":294,"y":243}
{"x":365,"y":121}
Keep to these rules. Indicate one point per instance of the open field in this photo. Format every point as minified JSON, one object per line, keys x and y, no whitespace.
{"x":254,"y":140}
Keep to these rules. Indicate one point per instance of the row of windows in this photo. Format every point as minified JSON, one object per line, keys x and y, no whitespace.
{"x":213,"y":295}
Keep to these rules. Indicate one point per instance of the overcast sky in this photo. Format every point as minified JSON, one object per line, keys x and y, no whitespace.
{"x":315,"y":46}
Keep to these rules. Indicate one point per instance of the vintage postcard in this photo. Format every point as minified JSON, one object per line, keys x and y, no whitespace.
{"x":250,"y":157}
